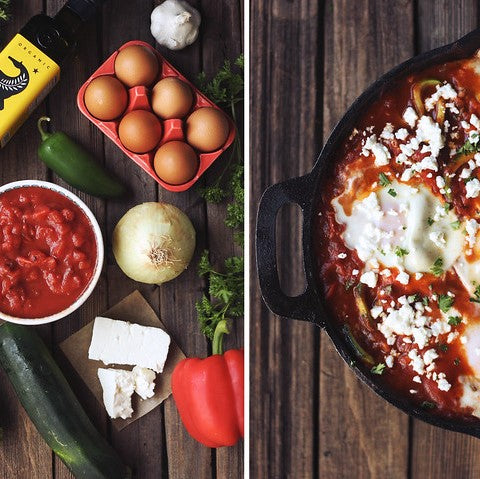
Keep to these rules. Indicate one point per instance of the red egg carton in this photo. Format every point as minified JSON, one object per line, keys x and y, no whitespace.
{"x":139,"y":99}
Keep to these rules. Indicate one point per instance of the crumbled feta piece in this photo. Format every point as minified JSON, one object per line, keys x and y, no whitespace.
{"x":418,"y":276}
{"x":440,"y":181}
{"x":355,"y":272}
{"x":429,"y":356}
{"x":401,"y":134}
{"x":417,"y":379}
{"x":410,"y":116}
{"x":342,"y":255}
{"x":369,"y":278}
{"x":403,"y":277}
{"x":387,"y":133}
{"x":376,"y":311}
{"x":442,"y":382}
{"x":437,"y":238}
{"x":430,"y":132}
{"x":144,"y":382}
{"x":474,"y":121}
{"x":465,"y":173}
{"x":473,"y":188}
{"x":389,"y":361}
{"x":445,"y":91}
{"x":118,"y":386}
{"x":471,"y":227}
{"x":381,"y":153}
{"x":416,"y":362}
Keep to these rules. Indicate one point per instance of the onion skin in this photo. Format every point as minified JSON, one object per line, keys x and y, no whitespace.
{"x":153,"y":242}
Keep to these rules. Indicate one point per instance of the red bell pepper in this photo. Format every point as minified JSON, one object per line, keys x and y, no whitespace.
{"x":209,"y":394}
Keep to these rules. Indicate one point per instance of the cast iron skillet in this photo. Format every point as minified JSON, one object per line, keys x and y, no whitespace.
{"x":305,"y":191}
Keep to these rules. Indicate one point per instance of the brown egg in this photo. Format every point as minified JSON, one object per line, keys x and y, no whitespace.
{"x":136,"y":65}
{"x":175,"y":162}
{"x":171,"y":98}
{"x":140,"y":131}
{"x":105,"y":98}
{"x":207,"y":129}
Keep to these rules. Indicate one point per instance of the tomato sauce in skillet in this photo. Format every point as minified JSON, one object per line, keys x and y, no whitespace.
{"x":47,"y":252}
{"x":398,"y":243}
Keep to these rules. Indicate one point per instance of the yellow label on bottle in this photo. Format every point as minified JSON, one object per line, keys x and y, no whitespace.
{"x":26,"y":77}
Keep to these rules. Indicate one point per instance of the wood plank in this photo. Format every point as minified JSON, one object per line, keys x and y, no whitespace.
{"x":177,"y":298}
{"x":438,"y":453}
{"x":141,"y":444}
{"x":223,"y":40}
{"x":66,"y":117}
{"x":23,"y":453}
{"x":284,"y":79}
{"x":360,"y":45}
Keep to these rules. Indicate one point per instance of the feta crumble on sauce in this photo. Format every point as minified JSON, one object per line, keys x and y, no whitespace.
{"x":398,"y":240}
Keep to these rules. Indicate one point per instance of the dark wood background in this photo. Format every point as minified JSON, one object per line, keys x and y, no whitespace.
{"x":157,"y":445}
{"x":310,"y":417}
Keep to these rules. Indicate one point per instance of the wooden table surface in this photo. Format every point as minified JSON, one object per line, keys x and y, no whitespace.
{"x":157,"y":445}
{"x":310,"y":416}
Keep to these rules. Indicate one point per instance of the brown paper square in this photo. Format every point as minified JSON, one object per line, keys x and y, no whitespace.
{"x":135,"y":309}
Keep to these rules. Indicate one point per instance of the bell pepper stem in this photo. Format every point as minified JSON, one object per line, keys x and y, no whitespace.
{"x":220,"y":330}
{"x":43,"y":133}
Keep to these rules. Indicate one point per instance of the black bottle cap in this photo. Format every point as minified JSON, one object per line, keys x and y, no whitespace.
{"x":85,"y":9}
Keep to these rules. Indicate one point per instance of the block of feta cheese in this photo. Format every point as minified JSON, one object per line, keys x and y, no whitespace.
{"x":120,"y":342}
{"x":144,"y":381}
{"x":118,"y":386}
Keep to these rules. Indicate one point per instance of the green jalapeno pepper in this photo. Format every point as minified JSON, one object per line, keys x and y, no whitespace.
{"x":74,"y":165}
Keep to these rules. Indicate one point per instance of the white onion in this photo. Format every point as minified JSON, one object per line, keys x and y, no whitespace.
{"x":153,"y":242}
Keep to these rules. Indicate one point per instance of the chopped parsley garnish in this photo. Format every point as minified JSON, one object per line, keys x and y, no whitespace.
{"x":437,"y":267}
{"x":425,"y":301}
{"x":454,"y":320}
{"x":443,"y":347}
{"x":467,"y":148}
{"x":383,"y":178}
{"x":378,"y":369}
{"x":412,"y":298}
{"x":400,"y":251}
{"x":430,"y":221}
{"x":348,"y":284}
{"x":456,"y":361}
{"x":447,"y":207}
{"x":445,"y":302}
{"x":392,"y":192}
{"x":428,"y":405}
{"x":476,"y":293}
{"x":455,"y":224}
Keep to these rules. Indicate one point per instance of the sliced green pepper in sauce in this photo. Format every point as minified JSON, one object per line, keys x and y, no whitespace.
{"x":75,"y":165}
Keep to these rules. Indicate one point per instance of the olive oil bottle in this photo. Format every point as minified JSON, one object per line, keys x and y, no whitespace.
{"x":30,"y":63}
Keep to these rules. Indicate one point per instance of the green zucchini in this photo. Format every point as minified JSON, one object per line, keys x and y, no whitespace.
{"x":53,"y":407}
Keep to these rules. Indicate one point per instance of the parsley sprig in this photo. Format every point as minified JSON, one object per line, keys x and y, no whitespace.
{"x":437,"y":267}
{"x":226,"y":89}
{"x":225,"y":291}
{"x":476,"y":295}
{"x":445,"y":302}
{"x":378,"y":369}
{"x":4,"y":10}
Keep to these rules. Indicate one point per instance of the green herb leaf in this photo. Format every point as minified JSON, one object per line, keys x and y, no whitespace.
{"x":430,"y":221}
{"x":401,"y":251}
{"x":466,"y":149}
{"x":455,"y":224}
{"x":383,"y":178}
{"x":437,"y":267}
{"x":428,"y":405}
{"x":445,"y":302}
{"x":412,"y":298}
{"x":456,"y":361}
{"x":392,"y":192}
{"x":454,"y":320}
{"x":425,"y":301}
{"x":476,"y":293}
{"x":443,"y":347}
{"x":225,"y":292}
{"x":378,"y":369}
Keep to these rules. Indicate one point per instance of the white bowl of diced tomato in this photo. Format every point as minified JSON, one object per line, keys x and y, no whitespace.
{"x":51,"y":252}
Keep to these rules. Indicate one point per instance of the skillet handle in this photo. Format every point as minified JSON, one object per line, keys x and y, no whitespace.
{"x":299,"y":191}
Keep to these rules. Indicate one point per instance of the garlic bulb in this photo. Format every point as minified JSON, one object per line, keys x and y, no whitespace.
{"x":175,"y":24}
